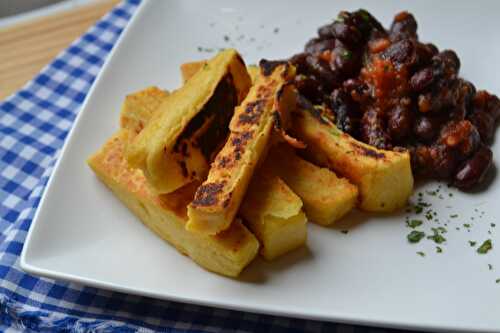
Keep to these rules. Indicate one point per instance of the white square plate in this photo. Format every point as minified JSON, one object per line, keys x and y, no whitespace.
{"x":371,"y":275}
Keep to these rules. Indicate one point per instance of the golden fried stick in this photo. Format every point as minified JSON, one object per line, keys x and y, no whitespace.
{"x":178,"y":144}
{"x":226,"y":253}
{"x":139,"y":107}
{"x":273,"y":212}
{"x":383,"y":177}
{"x":218,"y":199}
{"x":326,"y":197}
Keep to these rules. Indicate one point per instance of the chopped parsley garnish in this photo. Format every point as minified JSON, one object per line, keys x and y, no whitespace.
{"x":364,"y":15}
{"x":439,"y":229}
{"x":450,"y":194}
{"x":419,"y":209}
{"x":345,"y":232}
{"x":493,"y":225}
{"x":497,"y":280}
{"x":439,"y":249}
{"x":472,"y":243}
{"x":485,"y":247}
{"x":276,"y":30}
{"x":438,"y":238}
{"x":466,"y":225}
{"x":415,"y":236}
{"x":340,"y":18}
{"x":346,"y":55}
{"x":490,"y":267}
{"x":414,"y":223}
{"x":226,"y":38}
{"x":420,"y":253}
{"x":454,"y":216}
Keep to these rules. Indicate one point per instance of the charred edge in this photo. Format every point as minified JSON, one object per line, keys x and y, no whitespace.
{"x":184,"y":149}
{"x":306,"y":105}
{"x":226,"y":202}
{"x":224,"y":162}
{"x":206,"y":195}
{"x":239,"y":142}
{"x":252,"y":113}
{"x":184,"y":169}
{"x":367,"y":151}
{"x":277,"y":121}
{"x":218,"y":111}
{"x":267,"y":67}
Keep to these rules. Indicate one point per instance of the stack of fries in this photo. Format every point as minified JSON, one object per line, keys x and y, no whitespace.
{"x":217,"y":167}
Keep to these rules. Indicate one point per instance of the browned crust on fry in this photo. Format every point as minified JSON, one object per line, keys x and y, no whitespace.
{"x":207,"y":194}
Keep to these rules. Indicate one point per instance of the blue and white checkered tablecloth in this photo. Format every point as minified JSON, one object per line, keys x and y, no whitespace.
{"x":33,"y":124}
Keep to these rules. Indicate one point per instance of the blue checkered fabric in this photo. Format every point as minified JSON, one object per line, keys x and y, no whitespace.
{"x":33,"y":124}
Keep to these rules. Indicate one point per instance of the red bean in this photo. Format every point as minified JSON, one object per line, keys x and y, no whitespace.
{"x":317,"y":46}
{"x":400,"y":122}
{"x":473,"y":171}
{"x":422,"y":79}
{"x":372,"y":130}
{"x":404,"y":26}
{"x":485,"y":125}
{"x":426,"y":128}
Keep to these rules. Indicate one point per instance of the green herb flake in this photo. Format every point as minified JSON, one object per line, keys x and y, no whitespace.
{"x":415,"y":236}
{"x":428,"y":215}
{"x":418,"y":209}
{"x":420,"y":253}
{"x":490,"y":267}
{"x":472,"y":243}
{"x":454,"y":216}
{"x":431,"y":193}
{"x":493,"y":225}
{"x":345,"y":232}
{"x":439,"y":249}
{"x":485,"y":247}
{"x":466,"y":225}
{"x":497,"y":280}
{"x":364,"y":15}
{"x":450,"y":194}
{"x":346,"y":55}
{"x":414,"y":223}
{"x":437,"y":238}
